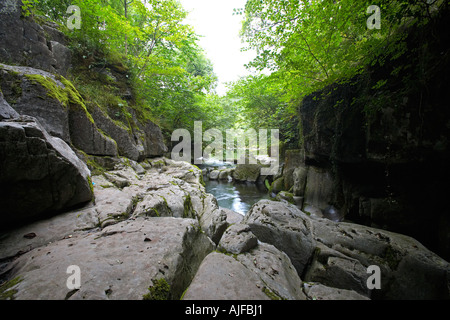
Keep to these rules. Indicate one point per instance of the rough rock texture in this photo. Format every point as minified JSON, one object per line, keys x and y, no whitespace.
{"x":39,"y":173}
{"x":30,"y":98}
{"x":338,"y":254}
{"x":408,"y":269}
{"x":317,"y":291}
{"x":237,"y":239}
{"x":221,"y":277}
{"x":120,"y":262}
{"x":121,"y":252}
{"x":57,"y":106}
{"x":232,"y":216}
{"x":263,"y":273}
{"x":247,"y":172}
{"x":125,"y":142}
{"x":212,"y":219}
{"x":28,"y":43}
{"x":284,"y":226}
{"x":6,"y":112}
{"x":384,"y":151}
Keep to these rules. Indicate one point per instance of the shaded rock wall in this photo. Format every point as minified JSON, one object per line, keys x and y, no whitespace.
{"x":379,"y":156}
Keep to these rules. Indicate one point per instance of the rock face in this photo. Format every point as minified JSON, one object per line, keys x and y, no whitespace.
{"x":238,"y":239}
{"x":57,"y":106}
{"x":379,"y":155}
{"x":61,"y":110}
{"x":26,"y":44}
{"x":285,"y":227}
{"x":39,"y":173}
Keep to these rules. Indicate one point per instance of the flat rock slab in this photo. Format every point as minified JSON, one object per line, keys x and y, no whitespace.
{"x":120,"y":262}
{"x":221,"y":277}
{"x":262,"y":273}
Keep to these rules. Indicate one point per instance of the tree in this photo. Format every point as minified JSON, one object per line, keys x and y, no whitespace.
{"x":311,"y":44}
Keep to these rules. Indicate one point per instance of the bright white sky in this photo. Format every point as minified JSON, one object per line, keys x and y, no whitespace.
{"x":214,"y":20}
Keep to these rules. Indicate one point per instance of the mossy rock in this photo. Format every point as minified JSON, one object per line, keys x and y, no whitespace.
{"x":284,"y":195}
{"x":6,"y":289}
{"x":277,"y":186}
{"x":160,"y":290}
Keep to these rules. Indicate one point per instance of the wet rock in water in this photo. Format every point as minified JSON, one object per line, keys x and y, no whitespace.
{"x":226,"y":174}
{"x":214,"y":175}
{"x":247,"y":172}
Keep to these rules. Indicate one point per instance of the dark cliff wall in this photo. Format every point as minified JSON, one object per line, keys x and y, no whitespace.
{"x":385,"y":149}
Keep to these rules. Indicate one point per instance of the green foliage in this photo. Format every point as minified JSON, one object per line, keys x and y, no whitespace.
{"x":159,"y":291}
{"x":261,"y":105}
{"x":311,"y":44}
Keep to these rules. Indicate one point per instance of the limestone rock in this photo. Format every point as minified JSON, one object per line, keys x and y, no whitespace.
{"x":120,"y":262}
{"x":237,"y":239}
{"x":247,"y":172}
{"x":125,"y":143}
{"x":6,"y":112}
{"x":221,"y":277}
{"x":275,"y":269}
{"x":317,"y":291}
{"x":408,"y":269}
{"x":39,"y":173}
{"x":214,"y":175}
{"x":30,"y":98}
{"x":232,"y":216}
{"x":25,"y":41}
{"x":262,"y":273}
{"x":285,"y":227}
{"x":57,"y":106}
{"x":212,"y":220}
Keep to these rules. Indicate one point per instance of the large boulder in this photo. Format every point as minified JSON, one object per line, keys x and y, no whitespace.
{"x":263,"y":273}
{"x":344,"y":251}
{"x":120,"y":262}
{"x":39,"y":173}
{"x":284,"y":226}
{"x":58,"y":107}
{"x":237,"y":239}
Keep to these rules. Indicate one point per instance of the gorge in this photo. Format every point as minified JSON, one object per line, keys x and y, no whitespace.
{"x":87,"y":180}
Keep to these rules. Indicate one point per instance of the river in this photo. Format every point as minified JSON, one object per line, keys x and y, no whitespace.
{"x":238,"y":197}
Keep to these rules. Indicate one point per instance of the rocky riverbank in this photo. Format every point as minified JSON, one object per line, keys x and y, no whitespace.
{"x":153,"y":227}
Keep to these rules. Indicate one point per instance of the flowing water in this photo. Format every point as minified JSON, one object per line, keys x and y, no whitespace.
{"x":238,"y":197}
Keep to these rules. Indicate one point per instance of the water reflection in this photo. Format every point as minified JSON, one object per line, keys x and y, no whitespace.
{"x":238,"y":197}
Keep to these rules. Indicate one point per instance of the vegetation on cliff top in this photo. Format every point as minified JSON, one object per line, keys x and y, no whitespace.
{"x":302,"y":47}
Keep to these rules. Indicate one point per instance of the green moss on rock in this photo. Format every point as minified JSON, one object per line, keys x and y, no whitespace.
{"x":6,"y":289}
{"x":159,"y":291}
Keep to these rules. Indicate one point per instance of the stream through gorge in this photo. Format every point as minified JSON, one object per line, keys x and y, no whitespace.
{"x":236,"y":196}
